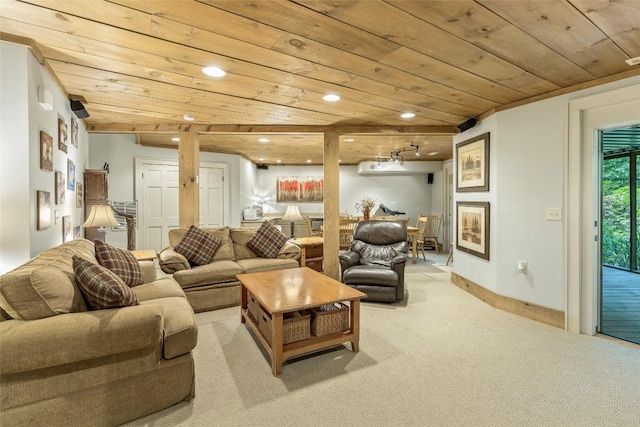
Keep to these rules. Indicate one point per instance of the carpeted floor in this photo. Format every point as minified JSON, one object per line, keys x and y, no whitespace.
{"x":444,"y":358}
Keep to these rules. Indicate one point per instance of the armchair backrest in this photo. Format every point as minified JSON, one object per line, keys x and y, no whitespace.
{"x":378,"y":242}
{"x":377,"y":232}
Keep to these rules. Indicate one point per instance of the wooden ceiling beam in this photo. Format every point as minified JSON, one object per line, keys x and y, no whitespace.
{"x":265,"y":129}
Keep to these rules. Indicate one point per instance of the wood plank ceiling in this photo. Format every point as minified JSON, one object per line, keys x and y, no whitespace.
{"x":137,"y":66}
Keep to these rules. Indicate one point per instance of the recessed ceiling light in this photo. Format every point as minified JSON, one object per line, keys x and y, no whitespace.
{"x":633,"y":61}
{"x":349,"y":140}
{"x":263,"y":140}
{"x":189,"y":117}
{"x":175,"y":139}
{"x":331,"y":97}
{"x":214,"y":71}
{"x":339,"y":160}
{"x":433,"y":153}
{"x":308,"y":160}
{"x":407,"y":115}
{"x":278,"y":161}
{"x":261,"y":159}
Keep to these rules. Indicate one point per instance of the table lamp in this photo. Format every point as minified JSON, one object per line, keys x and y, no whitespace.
{"x":100,"y":216}
{"x":292,"y":214}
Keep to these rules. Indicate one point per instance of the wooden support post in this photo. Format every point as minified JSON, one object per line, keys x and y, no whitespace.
{"x":331,"y":204}
{"x":189,"y":171}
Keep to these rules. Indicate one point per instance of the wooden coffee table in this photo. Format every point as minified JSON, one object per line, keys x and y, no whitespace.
{"x":295,"y":289}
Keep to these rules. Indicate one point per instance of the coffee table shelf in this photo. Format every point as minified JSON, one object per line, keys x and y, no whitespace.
{"x":285,"y":291}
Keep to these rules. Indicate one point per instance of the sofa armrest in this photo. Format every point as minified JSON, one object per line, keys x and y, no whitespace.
{"x":149,"y":273}
{"x":289,"y":251}
{"x":350,"y":258}
{"x":27,"y":345}
{"x":171,"y":261}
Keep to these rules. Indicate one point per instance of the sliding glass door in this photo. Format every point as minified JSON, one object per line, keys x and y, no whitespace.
{"x":620,"y":278}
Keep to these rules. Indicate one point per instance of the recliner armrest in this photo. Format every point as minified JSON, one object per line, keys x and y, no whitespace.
{"x":350,"y":258}
{"x":398,"y":259}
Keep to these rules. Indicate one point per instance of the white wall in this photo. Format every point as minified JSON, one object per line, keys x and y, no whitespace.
{"x":405,"y":193}
{"x":528,"y":169}
{"x":120,"y":151}
{"x":21,"y":121}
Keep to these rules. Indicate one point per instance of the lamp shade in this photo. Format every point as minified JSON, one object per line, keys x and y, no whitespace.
{"x":292,"y":213}
{"x":100,"y":216}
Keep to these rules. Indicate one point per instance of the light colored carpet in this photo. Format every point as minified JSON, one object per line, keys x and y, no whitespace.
{"x":443,"y":359}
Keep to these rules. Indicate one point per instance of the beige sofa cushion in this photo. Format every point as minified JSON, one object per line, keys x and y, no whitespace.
{"x":217,"y":271}
{"x":45,"y":286}
{"x":240,"y":237}
{"x":165,"y":287}
{"x":254,"y":265}
{"x":225,"y":252}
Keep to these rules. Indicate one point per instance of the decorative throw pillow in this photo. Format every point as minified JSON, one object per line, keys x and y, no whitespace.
{"x":101,"y":287}
{"x":198,"y":246}
{"x":119,"y":261}
{"x":267,"y":241}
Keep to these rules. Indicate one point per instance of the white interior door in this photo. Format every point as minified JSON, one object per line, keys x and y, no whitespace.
{"x":158,"y":205}
{"x":157,"y":188}
{"x":211,"y":197}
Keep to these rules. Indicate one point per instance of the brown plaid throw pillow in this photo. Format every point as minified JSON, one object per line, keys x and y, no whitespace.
{"x":198,"y":246}
{"x":267,"y":241}
{"x":121,"y":262}
{"x":101,"y":287}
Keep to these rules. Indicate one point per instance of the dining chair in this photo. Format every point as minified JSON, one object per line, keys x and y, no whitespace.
{"x":432,"y":231}
{"x":346,"y":227}
{"x":422,"y":226}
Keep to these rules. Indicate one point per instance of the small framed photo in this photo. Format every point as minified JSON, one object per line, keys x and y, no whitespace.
{"x":44,"y":210}
{"x":67,"y":231}
{"x":71,"y":175}
{"x":78,"y":194}
{"x":472,"y":228}
{"x":62,"y":134}
{"x":74,"y":131}
{"x":61,"y":187}
{"x":46,"y":152}
{"x":472,"y":169}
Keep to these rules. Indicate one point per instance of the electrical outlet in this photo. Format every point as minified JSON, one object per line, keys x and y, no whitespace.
{"x":554,"y":214}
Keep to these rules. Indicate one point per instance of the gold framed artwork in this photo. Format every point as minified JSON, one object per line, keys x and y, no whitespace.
{"x":67,"y":231}
{"x":78,"y":194}
{"x":472,"y":228}
{"x":62,"y":134}
{"x":472,"y":164}
{"x":46,"y":152}
{"x":74,"y":132}
{"x":61,"y":187}
{"x":44,"y":210}
{"x":307,"y":189}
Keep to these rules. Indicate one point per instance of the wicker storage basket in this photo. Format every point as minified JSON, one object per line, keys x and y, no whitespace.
{"x":295,"y":326}
{"x":329,"y":319}
{"x":253,"y":306}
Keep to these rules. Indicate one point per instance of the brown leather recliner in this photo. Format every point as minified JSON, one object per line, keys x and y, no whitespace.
{"x":375,"y":263}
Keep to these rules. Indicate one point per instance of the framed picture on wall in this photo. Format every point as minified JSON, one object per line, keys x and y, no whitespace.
{"x":61,"y":187}
{"x":74,"y":132}
{"x":46,"y":152}
{"x":78,"y":194}
{"x":308,"y":189}
{"x":472,"y":164}
{"x":67,"y":231}
{"x":472,"y":228}
{"x":62,"y":134}
{"x":44,"y":210}
{"x":71,"y":175}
